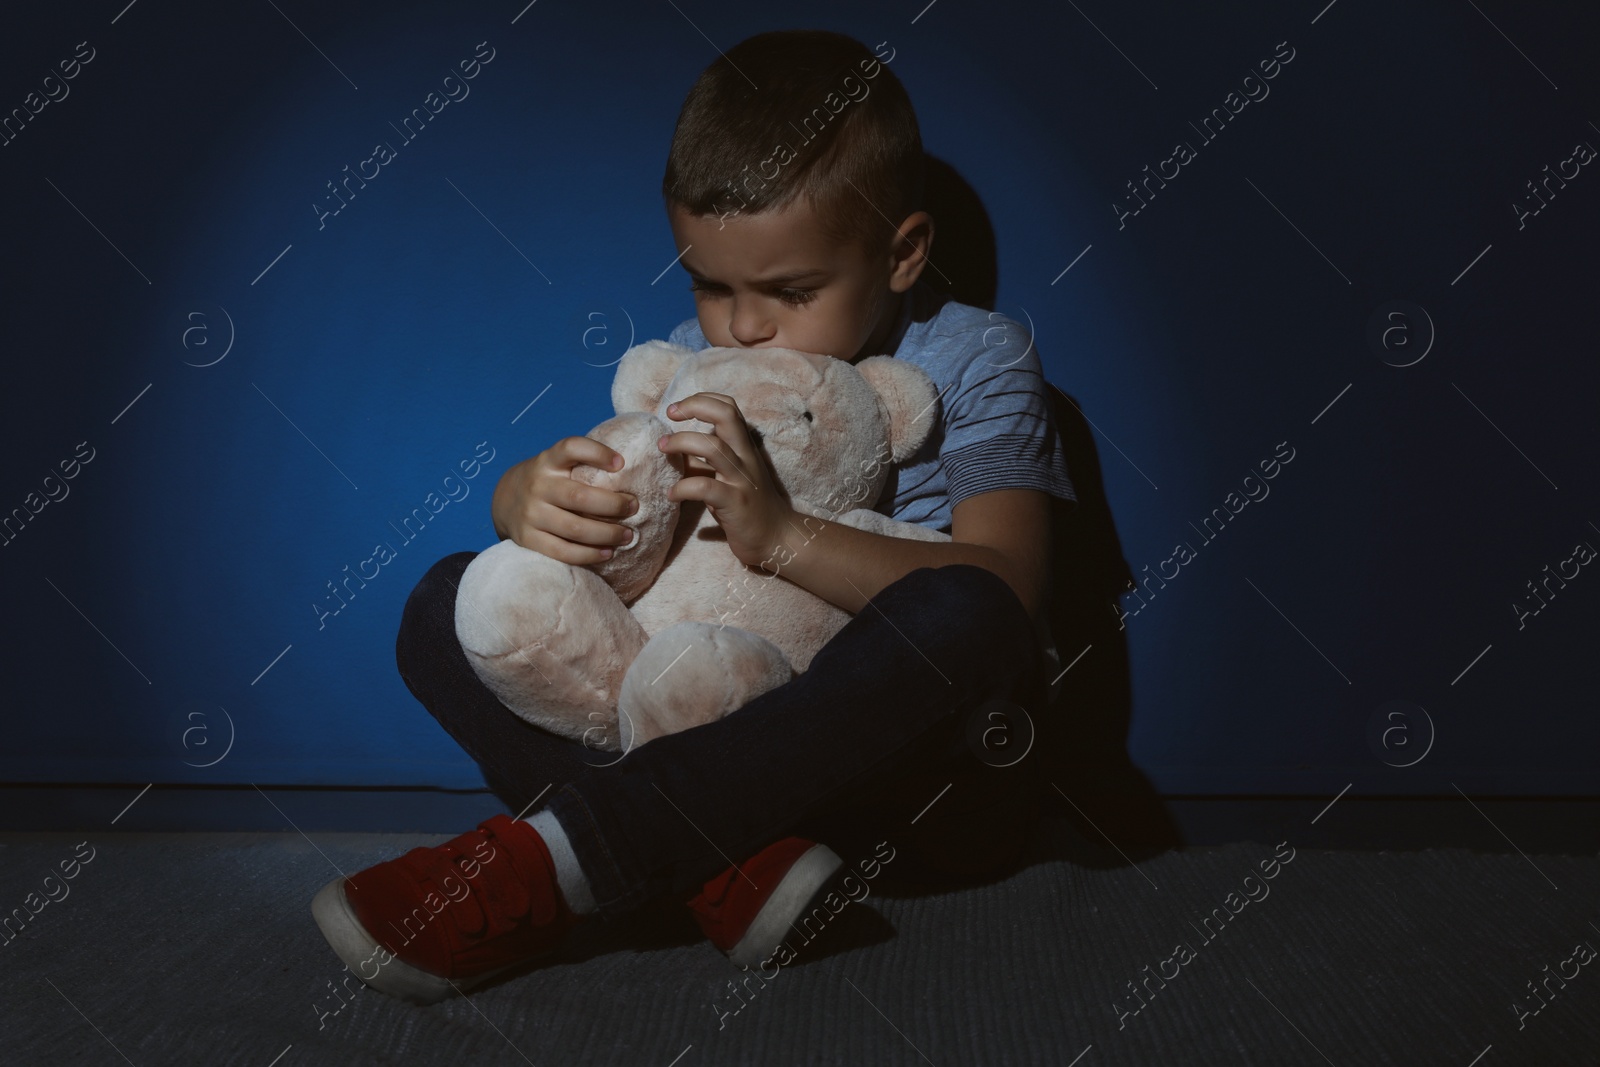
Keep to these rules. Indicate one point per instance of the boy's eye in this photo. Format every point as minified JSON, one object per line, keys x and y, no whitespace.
{"x":793,"y":297}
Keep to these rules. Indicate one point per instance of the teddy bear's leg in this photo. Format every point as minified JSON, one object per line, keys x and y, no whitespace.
{"x":647,"y":473}
{"x":692,"y":673}
{"x":551,"y":640}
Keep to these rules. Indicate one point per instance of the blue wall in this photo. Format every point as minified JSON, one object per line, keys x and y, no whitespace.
{"x":164,"y":607}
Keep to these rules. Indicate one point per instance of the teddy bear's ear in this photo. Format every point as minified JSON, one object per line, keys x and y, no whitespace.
{"x":643,"y":374}
{"x":910,"y":399}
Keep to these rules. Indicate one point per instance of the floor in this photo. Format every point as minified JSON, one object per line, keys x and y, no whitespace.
{"x":198,"y":948}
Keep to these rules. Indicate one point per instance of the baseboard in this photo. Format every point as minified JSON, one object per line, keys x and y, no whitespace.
{"x":268,"y":809}
{"x":1531,"y":825}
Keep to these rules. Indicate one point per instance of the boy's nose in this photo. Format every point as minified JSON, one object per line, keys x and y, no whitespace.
{"x":749,"y":326}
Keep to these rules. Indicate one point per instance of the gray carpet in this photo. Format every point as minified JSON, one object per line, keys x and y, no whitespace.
{"x":200,"y":949}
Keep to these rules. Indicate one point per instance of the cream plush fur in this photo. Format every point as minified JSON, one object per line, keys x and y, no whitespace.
{"x":673,"y":631}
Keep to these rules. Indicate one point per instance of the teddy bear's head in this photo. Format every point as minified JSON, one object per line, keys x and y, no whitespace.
{"x":830,"y":429}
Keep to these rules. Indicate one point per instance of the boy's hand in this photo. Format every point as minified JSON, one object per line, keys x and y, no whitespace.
{"x":734,"y":480}
{"x":539,"y":505}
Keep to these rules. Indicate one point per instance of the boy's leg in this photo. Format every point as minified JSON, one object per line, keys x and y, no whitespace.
{"x":970,"y":817}
{"x":891,"y":693}
{"x":867,"y":712}
{"x":523,"y":764}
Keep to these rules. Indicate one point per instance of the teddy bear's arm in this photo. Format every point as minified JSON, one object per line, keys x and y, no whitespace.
{"x":647,"y":473}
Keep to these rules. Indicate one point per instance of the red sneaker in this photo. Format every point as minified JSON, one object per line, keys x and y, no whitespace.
{"x":747,"y":916}
{"x":438,"y":921}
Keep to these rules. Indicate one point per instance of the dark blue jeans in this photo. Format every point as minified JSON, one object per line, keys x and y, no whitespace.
{"x":855,"y":749}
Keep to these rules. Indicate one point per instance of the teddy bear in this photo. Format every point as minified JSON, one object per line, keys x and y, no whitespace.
{"x":673,"y":630}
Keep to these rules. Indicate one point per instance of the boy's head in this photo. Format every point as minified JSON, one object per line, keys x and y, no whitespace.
{"x":798,"y":152}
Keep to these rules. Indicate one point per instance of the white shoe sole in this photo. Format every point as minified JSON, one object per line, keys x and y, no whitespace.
{"x":360,"y":952}
{"x":795,"y":892}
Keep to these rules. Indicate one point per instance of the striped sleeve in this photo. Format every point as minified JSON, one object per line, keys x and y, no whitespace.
{"x":999,"y":433}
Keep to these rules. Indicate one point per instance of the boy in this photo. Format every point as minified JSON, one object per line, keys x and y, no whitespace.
{"x":819,"y":248}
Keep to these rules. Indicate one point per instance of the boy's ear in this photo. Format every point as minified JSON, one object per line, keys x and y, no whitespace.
{"x":909,"y":398}
{"x":643,"y":373}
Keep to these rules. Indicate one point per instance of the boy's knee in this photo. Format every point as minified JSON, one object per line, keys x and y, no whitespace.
{"x":442,"y":579}
{"x":962,"y":585}
{"x":965,"y":594}
{"x":431,"y":604}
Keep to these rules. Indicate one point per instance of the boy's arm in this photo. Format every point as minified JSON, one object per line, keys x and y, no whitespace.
{"x":1006,"y":531}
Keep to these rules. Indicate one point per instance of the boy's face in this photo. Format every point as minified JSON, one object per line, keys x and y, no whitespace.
{"x":773,"y":280}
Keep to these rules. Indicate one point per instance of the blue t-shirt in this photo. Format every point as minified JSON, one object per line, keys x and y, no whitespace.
{"x":995,"y":429}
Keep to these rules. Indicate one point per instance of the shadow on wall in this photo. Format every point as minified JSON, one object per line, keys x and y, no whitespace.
{"x":1085,"y":749}
{"x":1086,"y":772}
{"x":967,"y":267}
